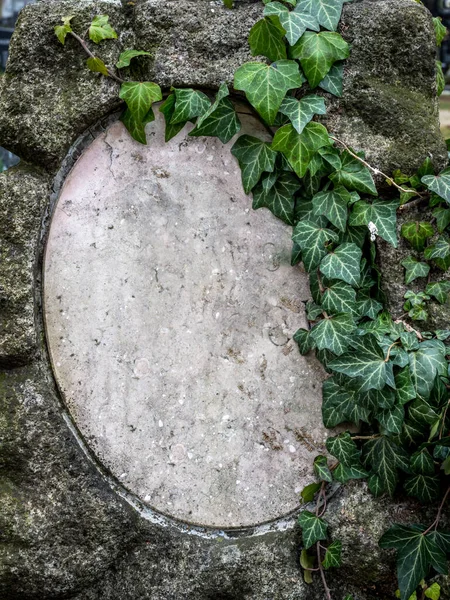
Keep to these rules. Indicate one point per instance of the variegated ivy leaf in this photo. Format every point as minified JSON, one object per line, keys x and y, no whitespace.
{"x":254,"y":157}
{"x":333,"y":555}
{"x":339,"y":297}
{"x":294,"y":22}
{"x":392,"y":419}
{"x":266,"y":85}
{"x":374,"y":400}
{"x":304,"y":341}
{"x":301,"y":112}
{"x":385,"y":457}
{"x":332,"y":333}
{"x":314,"y":528}
{"x":439,"y":184}
{"x":343,"y":263}
{"x":368,"y":307}
{"x":333,"y":81}
{"x":61,"y":31}
{"x":441,"y":249}
{"x":126,"y":57}
{"x":140,"y":97}
{"x":382,"y":214}
{"x":417,"y":233}
{"x":354,"y":176}
{"x":220,"y":120}
{"x":375,"y":485}
{"x":344,"y":449}
{"x":425,"y":488}
{"x":321,"y":469}
{"x":312,"y":239}
{"x":427,"y":362}
{"x":422,"y":462}
{"x":137,"y":128}
{"x":327,"y":12}
{"x":299,"y":148}
{"x":333,"y":205}
{"x":279,"y":198}
{"x":167,"y":108}
{"x":405,"y":387}
{"x":317,"y":52}
{"x":266,"y":39}
{"x":439,"y":289}
{"x":96,"y":65}
{"x":414,"y":269}
{"x":341,"y":404}
{"x":189,"y":105}
{"x":344,"y":474}
{"x":421,"y":413}
{"x":100,"y":29}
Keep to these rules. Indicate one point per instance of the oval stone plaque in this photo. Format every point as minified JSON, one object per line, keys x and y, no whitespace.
{"x":170,"y":308}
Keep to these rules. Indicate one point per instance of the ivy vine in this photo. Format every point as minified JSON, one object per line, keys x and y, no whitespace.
{"x":385,"y":375}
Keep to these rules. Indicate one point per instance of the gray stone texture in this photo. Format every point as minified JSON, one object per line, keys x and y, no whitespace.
{"x":64,"y":531}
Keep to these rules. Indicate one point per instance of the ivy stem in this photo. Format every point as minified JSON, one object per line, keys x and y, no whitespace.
{"x":438,"y":516}
{"x":322,"y":574}
{"x":389,"y":351}
{"x":366,"y":437}
{"x":89,"y":53}
{"x":374,"y":170}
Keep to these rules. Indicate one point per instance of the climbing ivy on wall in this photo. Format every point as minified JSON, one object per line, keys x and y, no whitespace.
{"x":386,"y":376}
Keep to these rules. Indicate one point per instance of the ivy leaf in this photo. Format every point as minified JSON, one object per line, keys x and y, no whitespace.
{"x":303,"y":340}
{"x":414,"y":269}
{"x":440,"y":30}
{"x":421,"y":413}
{"x":344,"y":474}
{"x":333,"y":81}
{"x":382,"y":214}
{"x":423,"y":487}
{"x":296,"y":255}
{"x":333,"y":205}
{"x":266,"y":39}
{"x":294,"y":22}
{"x":321,"y":469}
{"x":441,"y":249}
{"x":416,"y":553}
{"x":375,"y":485}
{"x":300,"y":148}
{"x":228,"y":3}
{"x":96,"y":65}
{"x":189,"y":105}
{"x":385,"y":457}
{"x":442,"y":216}
{"x":140,"y":97}
{"x":333,"y":157}
{"x":314,"y":528}
{"x":343,"y":263}
{"x":307,"y":563}
{"x":392,"y":419}
{"x":332,"y":333}
{"x":417,"y":233}
{"x":220,"y":120}
{"x":366,"y":362}
{"x":279,"y":199}
{"x":61,"y":31}
{"x":354,"y":176}
{"x":333,"y":555}
{"x":126,"y":57}
{"x":405,"y":387}
{"x":137,"y":128}
{"x":254,"y":157}
{"x":167,"y":108}
{"x":100,"y":29}
{"x":439,"y":184}
{"x":312,"y":239}
{"x":425,"y":364}
{"x":317,"y":52}
{"x":422,"y":463}
{"x":433,"y":592}
{"x":344,"y":449}
{"x":439,"y":290}
{"x":375,"y":400}
{"x":266,"y":85}
{"x":336,"y":401}
{"x":339,"y":297}
{"x":327,"y":12}
{"x":300,"y":112}
{"x":369,"y":307}
{"x":308,"y":492}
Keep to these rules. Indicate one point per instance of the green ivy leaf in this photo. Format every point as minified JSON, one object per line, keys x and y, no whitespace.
{"x":327,"y":12}
{"x":279,"y":199}
{"x":321,"y":469}
{"x":425,"y":364}
{"x":382,"y":214}
{"x":344,"y":449}
{"x":344,"y":474}
{"x":266,"y":85}
{"x":317,"y":52}
{"x":375,"y":485}
{"x":137,"y":128}
{"x":333,"y":205}
{"x":300,"y":112}
{"x":384,"y":457}
{"x":433,"y":592}
{"x":423,"y":487}
{"x":422,"y":463}
{"x":300,"y":148}
{"x":405,"y":387}
{"x":336,"y":403}
{"x":392,"y":419}
{"x":228,"y":3}
{"x":354,"y":176}
{"x":332,"y":333}
{"x":307,"y":563}
{"x":375,"y":400}
{"x":303,"y":340}
{"x":254,"y":157}
{"x":314,"y":528}
{"x":96,"y":65}
{"x":294,"y":22}
{"x":439,"y":30}
{"x":61,"y":31}
{"x":441,"y":249}
{"x":312,"y":238}
{"x":421,"y":413}
{"x":333,"y":81}
{"x":189,"y":105}
{"x":368,"y":307}
{"x":339,"y":297}
{"x":139,"y":97}
{"x":414,"y":269}
{"x":442,"y":216}
{"x":266,"y":39}
{"x":439,"y":289}
{"x":343,"y":263}
{"x":417,"y":233}
{"x":220,"y":120}
{"x":168,"y":108}
{"x":126,"y":57}
{"x":439,"y":184}
{"x":308,"y":493}
{"x":333,"y":555}
{"x":100,"y":29}
{"x":333,"y":157}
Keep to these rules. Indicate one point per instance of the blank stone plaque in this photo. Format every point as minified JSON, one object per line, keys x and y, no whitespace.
{"x":170,"y":307}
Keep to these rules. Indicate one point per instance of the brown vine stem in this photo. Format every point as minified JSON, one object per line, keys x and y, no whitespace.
{"x":366,"y":437}
{"x":389,"y":351}
{"x":409,"y":328}
{"x":322,"y":574}
{"x":438,"y":516}
{"x":89,"y":53}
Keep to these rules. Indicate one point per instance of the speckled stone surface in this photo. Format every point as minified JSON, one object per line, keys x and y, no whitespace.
{"x":170,"y":312}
